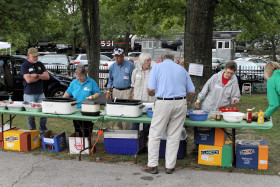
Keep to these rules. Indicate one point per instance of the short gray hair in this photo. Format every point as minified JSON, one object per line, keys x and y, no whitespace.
{"x":167,"y":53}
{"x":144,"y":56}
{"x":81,"y":70}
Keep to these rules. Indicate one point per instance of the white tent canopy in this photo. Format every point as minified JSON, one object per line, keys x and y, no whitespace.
{"x":5,"y":45}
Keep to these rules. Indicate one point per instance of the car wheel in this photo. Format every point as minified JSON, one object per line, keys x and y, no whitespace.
{"x":58,"y":92}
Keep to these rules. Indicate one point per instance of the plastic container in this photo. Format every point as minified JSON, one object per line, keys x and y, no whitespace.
{"x":213,"y":115}
{"x":15,"y":106}
{"x":198,"y":117}
{"x":260,"y":117}
{"x":228,"y":109}
{"x":233,"y":117}
{"x":149,"y":112}
{"x":33,"y":109}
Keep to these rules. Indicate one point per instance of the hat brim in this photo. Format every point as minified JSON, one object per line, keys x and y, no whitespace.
{"x":34,"y":54}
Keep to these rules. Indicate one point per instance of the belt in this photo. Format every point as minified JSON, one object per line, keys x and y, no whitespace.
{"x":122,"y":88}
{"x":175,"y":98}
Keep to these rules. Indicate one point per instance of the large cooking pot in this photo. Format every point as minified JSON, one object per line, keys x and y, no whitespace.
{"x":124,"y":108}
{"x":90,"y":108}
{"x":55,"y":105}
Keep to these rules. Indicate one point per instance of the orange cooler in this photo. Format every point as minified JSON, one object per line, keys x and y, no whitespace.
{"x":209,"y":136}
{"x":215,"y":155}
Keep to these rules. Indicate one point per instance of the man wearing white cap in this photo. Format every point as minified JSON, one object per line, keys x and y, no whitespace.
{"x":119,"y":81}
{"x":34,"y":73}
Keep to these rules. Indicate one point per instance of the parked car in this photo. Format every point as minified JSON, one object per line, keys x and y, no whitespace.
{"x":217,"y":61}
{"x":108,"y":54}
{"x":13,"y":81}
{"x":82,"y":60}
{"x":59,"y":64}
{"x":258,"y":61}
{"x":240,"y":55}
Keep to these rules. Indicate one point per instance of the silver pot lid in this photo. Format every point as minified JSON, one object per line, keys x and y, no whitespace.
{"x":89,"y":102}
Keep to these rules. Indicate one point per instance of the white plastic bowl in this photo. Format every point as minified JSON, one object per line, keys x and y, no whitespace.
{"x":233,"y":117}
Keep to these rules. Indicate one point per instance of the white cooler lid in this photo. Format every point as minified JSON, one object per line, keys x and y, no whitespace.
{"x":129,"y":134}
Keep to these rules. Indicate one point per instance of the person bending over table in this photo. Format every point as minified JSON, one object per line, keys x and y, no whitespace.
{"x":272,"y":74}
{"x":220,"y":90}
{"x":139,"y":83}
{"x":82,"y":88}
{"x":173,"y":87}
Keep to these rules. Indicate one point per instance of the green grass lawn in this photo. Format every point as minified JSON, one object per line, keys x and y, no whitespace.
{"x":272,"y":136}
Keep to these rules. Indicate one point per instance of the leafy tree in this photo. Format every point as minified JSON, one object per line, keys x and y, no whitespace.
{"x":21,"y":21}
{"x":258,"y":20}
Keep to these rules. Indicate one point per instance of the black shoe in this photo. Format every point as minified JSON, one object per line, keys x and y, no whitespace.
{"x":169,"y":171}
{"x":152,"y":170}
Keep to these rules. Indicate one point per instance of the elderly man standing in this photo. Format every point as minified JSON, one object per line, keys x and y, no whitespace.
{"x":172,"y":86}
{"x":34,"y":73}
{"x":119,"y":81}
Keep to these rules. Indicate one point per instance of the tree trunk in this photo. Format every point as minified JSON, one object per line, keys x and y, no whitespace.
{"x":92,"y":36}
{"x":126,"y":50}
{"x":198,"y":38}
{"x":273,"y":48}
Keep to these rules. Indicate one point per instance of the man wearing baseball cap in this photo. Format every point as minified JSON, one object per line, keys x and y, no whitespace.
{"x":34,"y":73}
{"x":119,"y":81}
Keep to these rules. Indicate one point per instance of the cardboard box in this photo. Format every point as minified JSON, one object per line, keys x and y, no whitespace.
{"x":5,"y":128}
{"x":54,"y":142}
{"x":34,"y":138}
{"x":122,"y":142}
{"x":76,"y":144}
{"x":209,"y":136}
{"x":25,"y":141}
{"x":215,"y":155}
{"x":12,"y":140}
{"x":252,"y":154}
{"x":182,"y":147}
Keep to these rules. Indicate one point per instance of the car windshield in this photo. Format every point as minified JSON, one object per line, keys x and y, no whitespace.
{"x":103,"y":57}
{"x":53,"y":60}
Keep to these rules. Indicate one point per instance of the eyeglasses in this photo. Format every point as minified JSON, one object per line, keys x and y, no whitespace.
{"x":229,"y":73}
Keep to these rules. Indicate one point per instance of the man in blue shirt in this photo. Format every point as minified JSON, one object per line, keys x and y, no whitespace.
{"x":34,"y":73}
{"x":172,"y":86}
{"x":119,"y":81}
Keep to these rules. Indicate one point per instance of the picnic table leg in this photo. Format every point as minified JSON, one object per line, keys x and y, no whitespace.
{"x":233,"y":150}
{"x":84,"y":145}
{"x":138,"y":146}
{"x":2,"y":122}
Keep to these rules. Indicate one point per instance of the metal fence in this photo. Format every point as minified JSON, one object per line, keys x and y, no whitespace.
{"x":244,"y":75}
{"x":70,"y":72}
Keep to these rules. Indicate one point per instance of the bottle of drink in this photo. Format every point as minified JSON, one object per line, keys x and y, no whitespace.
{"x":260,"y":117}
{"x":249,"y":115}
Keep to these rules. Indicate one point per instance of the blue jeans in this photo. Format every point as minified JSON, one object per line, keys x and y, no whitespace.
{"x":30,"y":119}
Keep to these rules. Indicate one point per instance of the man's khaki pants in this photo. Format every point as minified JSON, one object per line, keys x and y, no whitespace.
{"x":169,"y":116}
{"x":122,"y":94}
